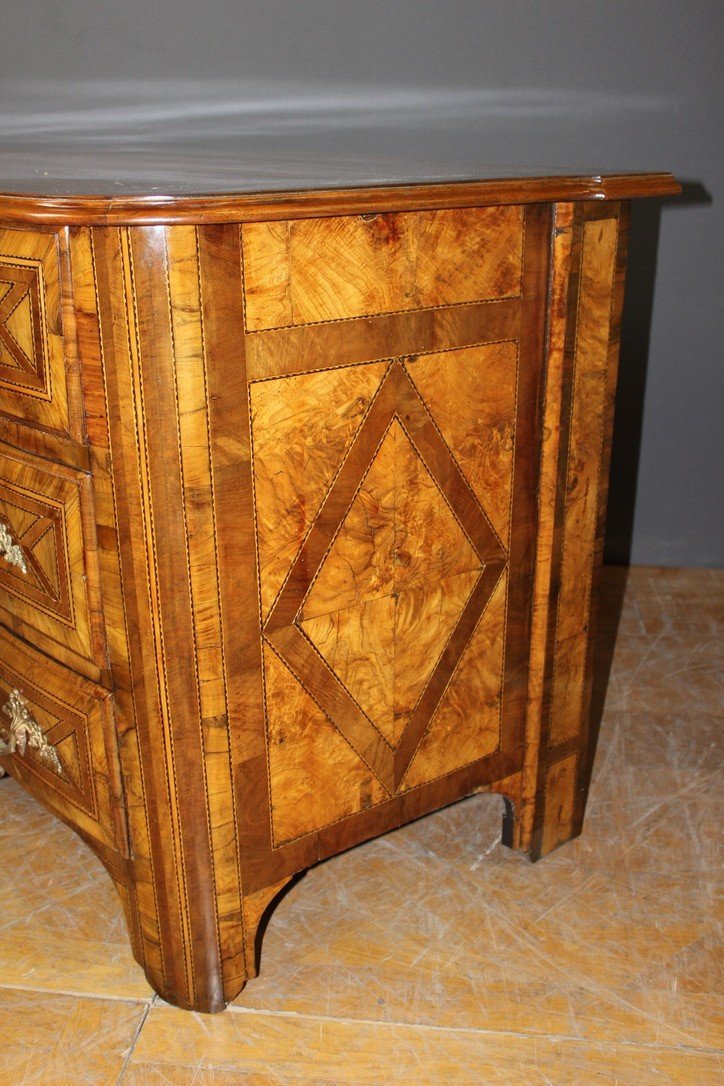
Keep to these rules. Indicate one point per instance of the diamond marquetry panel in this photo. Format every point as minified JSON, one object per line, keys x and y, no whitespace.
{"x":32,"y":366}
{"x":393,"y":586}
{"x":382,"y":598}
{"x":44,"y":581}
{"x":76,"y":718}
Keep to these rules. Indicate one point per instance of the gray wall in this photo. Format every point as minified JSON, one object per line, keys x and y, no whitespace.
{"x":444,"y":87}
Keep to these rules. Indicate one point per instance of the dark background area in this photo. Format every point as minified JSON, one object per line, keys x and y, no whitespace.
{"x":414,"y":88}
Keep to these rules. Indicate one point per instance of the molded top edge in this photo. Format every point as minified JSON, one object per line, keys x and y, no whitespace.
{"x":221,"y":207}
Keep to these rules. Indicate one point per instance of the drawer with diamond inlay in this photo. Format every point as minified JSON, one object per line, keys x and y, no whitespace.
{"x":33,"y":380}
{"x":57,"y":736}
{"x":48,"y":583}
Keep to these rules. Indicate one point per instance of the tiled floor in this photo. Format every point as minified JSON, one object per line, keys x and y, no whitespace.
{"x":432,"y":955}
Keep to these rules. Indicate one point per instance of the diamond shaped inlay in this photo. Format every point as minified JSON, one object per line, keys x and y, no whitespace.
{"x":393,"y":586}
{"x":21,"y":345}
{"x":387,"y":589}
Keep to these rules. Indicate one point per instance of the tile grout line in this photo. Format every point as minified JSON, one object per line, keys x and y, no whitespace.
{"x":423,"y":1026}
{"x":74,"y":993}
{"x":133,"y":1043}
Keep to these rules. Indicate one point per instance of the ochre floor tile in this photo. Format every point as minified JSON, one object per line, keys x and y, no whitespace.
{"x":56,"y":1040}
{"x":676,"y":672}
{"x":270,"y":1048}
{"x":61,"y":924}
{"x":405,"y":940}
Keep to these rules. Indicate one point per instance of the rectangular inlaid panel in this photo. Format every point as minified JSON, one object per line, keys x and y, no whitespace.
{"x":388,"y":579}
{"x":33,"y":384}
{"x":47,"y":577}
{"x":303,"y":271}
{"x":70,"y":758}
{"x":394,"y":499}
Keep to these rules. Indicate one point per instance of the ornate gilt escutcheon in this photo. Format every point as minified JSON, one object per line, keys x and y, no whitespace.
{"x":24,"y":731}
{"x":11,"y":551}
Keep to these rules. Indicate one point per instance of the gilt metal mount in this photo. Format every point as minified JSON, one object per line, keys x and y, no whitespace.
{"x":11,"y":551}
{"x":24,"y":731}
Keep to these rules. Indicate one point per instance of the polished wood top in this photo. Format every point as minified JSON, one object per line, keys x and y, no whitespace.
{"x":144,"y":195}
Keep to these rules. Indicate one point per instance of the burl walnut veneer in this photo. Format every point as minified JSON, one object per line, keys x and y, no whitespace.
{"x":302,"y":500}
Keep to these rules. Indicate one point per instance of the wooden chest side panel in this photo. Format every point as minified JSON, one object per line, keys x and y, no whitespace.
{"x":379,"y":487}
{"x":303,"y":271}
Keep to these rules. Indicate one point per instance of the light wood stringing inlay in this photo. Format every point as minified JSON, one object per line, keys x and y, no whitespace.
{"x":33,"y":382}
{"x":317,"y":541}
{"x":76,"y":718}
{"x":46,"y":508}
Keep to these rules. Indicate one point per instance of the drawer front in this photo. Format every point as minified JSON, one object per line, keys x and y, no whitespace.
{"x":45,"y":580}
{"x":310,"y":270}
{"x":63,"y":730}
{"x":33,"y":384}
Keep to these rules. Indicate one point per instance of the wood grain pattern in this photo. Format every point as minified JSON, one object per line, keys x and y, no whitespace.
{"x":305,"y":271}
{"x":282,"y":351}
{"x":472,"y":394}
{"x":518,"y":829}
{"x":98,"y":338}
{"x":52,"y":597}
{"x":584,"y":357}
{"x":313,"y":542}
{"x":154,"y":210}
{"x":33,"y":380}
{"x":316,"y":778}
{"x":288,"y":429}
{"x":585,"y":449}
{"x":466,"y":725}
{"x":76,"y":716}
{"x":560,"y":802}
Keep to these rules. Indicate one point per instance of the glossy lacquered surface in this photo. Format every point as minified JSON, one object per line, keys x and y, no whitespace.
{"x":140,"y":196}
{"x":313,"y":490}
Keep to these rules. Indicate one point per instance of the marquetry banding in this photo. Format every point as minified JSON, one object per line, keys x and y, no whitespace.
{"x":300,"y":529}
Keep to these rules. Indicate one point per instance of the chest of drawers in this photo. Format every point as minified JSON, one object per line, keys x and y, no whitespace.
{"x":302,"y":500}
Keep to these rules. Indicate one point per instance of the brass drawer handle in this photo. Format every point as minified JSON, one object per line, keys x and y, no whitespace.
{"x":24,"y":731}
{"x":11,"y":551}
